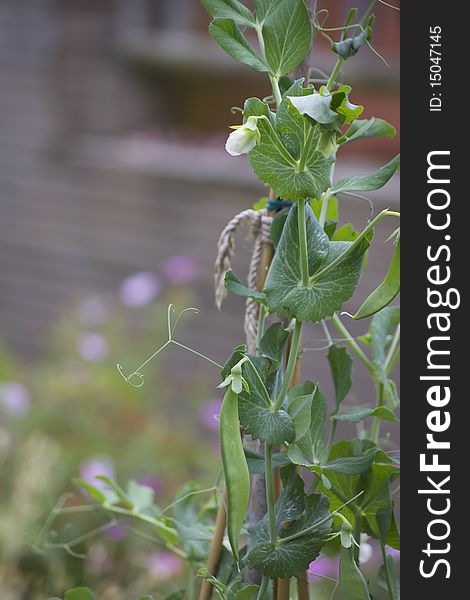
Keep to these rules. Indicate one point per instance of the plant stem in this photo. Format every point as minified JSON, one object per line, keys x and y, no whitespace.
{"x":302,"y":232}
{"x":357,"y":534}
{"x":387,"y":572}
{"x":392,"y":349}
{"x":290,"y":369}
{"x":375,"y":431}
{"x":261,"y":324}
{"x":191,"y":590}
{"x":276,"y":90}
{"x":334,"y":73}
{"x":353,"y":345}
{"x":268,"y":461}
{"x":263,"y":588}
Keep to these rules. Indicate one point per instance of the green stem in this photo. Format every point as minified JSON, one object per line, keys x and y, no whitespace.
{"x":268,"y":461}
{"x":191,"y":589}
{"x":375,"y":431}
{"x":263,"y":588}
{"x":276,"y":89}
{"x":334,"y":73}
{"x":261,"y":325}
{"x":302,"y":232}
{"x":357,"y":534}
{"x":387,"y":573}
{"x":324,"y":210}
{"x":339,"y":259}
{"x":392,"y":351}
{"x":353,"y":345}
{"x":293,"y":354}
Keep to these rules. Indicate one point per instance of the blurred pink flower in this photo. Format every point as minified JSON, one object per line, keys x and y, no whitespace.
{"x":139,"y":289}
{"x":15,"y":398}
{"x":393,"y":552}
{"x":92,"y":347}
{"x":94,"y":466}
{"x":323,"y":566}
{"x":209,"y":413}
{"x":98,"y":560}
{"x":153,"y":482}
{"x":163,"y":565}
{"x":116,"y":533}
{"x":92,"y":311}
{"x":180,"y":269}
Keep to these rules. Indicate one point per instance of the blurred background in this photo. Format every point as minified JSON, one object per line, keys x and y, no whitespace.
{"x":114,"y":187}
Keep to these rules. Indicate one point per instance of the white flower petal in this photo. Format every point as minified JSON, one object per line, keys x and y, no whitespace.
{"x":243,"y":139}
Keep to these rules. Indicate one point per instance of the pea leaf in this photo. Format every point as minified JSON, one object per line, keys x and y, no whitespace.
{"x":299,"y":407}
{"x":141,"y":496}
{"x":79,"y":593}
{"x":309,"y":448}
{"x":389,"y":567}
{"x":365,"y":128}
{"x":346,"y":233}
{"x":284,"y":290}
{"x":367,"y":183}
{"x":102,"y":496}
{"x":341,"y":369}
{"x":230,"y":9}
{"x":287,"y":33}
{"x":227,"y":34}
{"x":273,"y":342}
{"x":383,"y":323}
{"x":293,"y":155}
{"x":254,"y":408}
{"x":256,"y":463}
{"x":234,"y":285}
{"x":295,"y":512}
{"x":355,"y":416}
{"x":386,"y":291}
{"x":351,"y":580}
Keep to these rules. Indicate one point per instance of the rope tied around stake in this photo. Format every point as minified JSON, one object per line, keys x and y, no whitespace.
{"x":259,"y":223}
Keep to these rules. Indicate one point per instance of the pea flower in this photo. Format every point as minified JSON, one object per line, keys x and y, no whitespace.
{"x":244,"y":138}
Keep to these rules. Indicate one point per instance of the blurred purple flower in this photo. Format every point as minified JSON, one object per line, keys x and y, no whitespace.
{"x":180,"y":269}
{"x":92,"y":347}
{"x":163,"y":565}
{"x":139,"y":289}
{"x":209,"y":414}
{"x":324,"y":566}
{"x":15,"y":398}
{"x":116,"y":533}
{"x":393,"y":552}
{"x":153,"y":482}
{"x":97,"y":465}
{"x":98,"y":560}
{"x":92,"y":311}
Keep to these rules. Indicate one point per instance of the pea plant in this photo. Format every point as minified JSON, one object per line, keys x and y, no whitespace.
{"x":319,"y":493}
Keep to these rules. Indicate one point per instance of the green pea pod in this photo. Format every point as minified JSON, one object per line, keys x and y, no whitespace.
{"x":387,"y":290}
{"x":237,"y":477}
{"x":352,"y":582}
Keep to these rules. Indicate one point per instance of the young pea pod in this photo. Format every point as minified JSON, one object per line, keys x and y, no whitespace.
{"x":352,"y":582}
{"x":237,"y":477}
{"x":387,"y":290}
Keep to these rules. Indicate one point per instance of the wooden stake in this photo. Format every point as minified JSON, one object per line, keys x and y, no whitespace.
{"x":215,"y":549}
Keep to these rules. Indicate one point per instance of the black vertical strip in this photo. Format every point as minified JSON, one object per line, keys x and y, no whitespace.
{"x":440,"y":27}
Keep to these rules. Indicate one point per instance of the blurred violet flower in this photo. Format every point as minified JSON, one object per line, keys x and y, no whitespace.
{"x":163,"y":565}
{"x":116,"y":533}
{"x":153,"y":482}
{"x":15,"y":398}
{"x":97,"y":465}
{"x":324,"y":566}
{"x":180,"y":269}
{"x":393,"y":552}
{"x":139,"y":289}
{"x":98,"y":560}
{"x":92,"y":311}
{"x":209,"y":414}
{"x":92,"y":347}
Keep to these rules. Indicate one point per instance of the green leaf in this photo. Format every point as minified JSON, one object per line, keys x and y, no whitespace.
{"x":256,"y":462}
{"x":234,"y":285}
{"x":365,"y":128}
{"x":350,"y":46}
{"x":299,"y":407}
{"x":332,"y":212}
{"x":355,"y":416}
{"x":230,"y":9}
{"x":176,"y":595}
{"x":295,"y":512}
{"x":383,"y":323}
{"x":309,"y":449}
{"x":351,"y":580}
{"x":316,"y":106}
{"x":277,"y":226}
{"x":323,"y":296}
{"x":226,"y":33}
{"x":367,"y":183}
{"x":389,"y":566}
{"x":98,"y":494}
{"x":147,"y":597}
{"x":341,"y":369}
{"x":386,"y":291}
{"x":291,"y":155}
{"x":79,"y":593}
{"x":287,"y":33}
{"x":353,"y":465}
{"x":346,"y":233}
{"x":141,"y":496}
{"x":273,"y":342}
